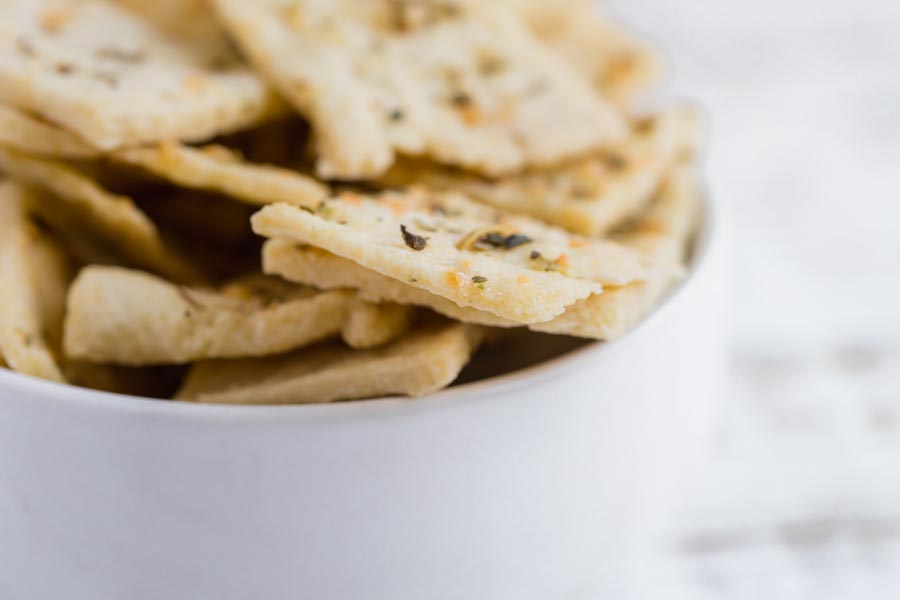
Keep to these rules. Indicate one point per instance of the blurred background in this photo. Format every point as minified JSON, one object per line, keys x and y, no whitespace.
{"x":802,"y":500}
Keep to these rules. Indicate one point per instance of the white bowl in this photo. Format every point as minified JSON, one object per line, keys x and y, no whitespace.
{"x":541,"y":484}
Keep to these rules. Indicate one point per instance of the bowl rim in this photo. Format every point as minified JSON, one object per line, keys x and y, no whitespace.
{"x":551,"y":369}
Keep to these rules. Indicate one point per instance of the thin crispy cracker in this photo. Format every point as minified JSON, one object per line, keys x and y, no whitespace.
{"x":111,"y":217}
{"x":369,"y":325}
{"x":219,"y":169}
{"x":115,"y":79}
{"x":417,"y":364}
{"x":309,"y":265}
{"x":545,"y":17}
{"x":662,"y":234}
{"x":130,"y":317}
{"x":33,"y":276}
{"x":512,"y":266}
{"x":589,"y":195}
{"x":619,"y":61}
{"x":28,"y":134}
{"x":463,"y":82}
{"x":192,"y":19}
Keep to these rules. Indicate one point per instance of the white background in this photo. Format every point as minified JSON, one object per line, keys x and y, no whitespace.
{"x":802,"y":500}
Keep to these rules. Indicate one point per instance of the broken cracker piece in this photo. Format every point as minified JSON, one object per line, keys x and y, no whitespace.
{"x":111,"y":217}
{"x":130,"y":317}
{"x":589,"y":195}
{"x":662,"y":234}
{"x":216,"y":168}
{"x":512,"y":266}
{"x":307,"y":264}
{"x":115,"y":79}
{"x":619,"y":61}
{"x":369,"y":324}
{"x":419,"y":363}
{"x":33,"y":278}
{"x":30,"y":135}
{"x":465,"y":83}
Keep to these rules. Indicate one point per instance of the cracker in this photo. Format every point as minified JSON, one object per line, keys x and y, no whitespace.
{"x":216,"y":168}
{"x":187,"y":18}
{"x":544,"y":17}
{"x":589,"y":195}
{"x":512,"y":266}
{"x":463,"y":82}
{"x":621,"y":63}
{"x":369,"y":325}
{"x":113,"y":218}
{"x":662,"y":234}
{"x":115,"y":79}
{"x":422,"y":362}
{"x":28,"y":134}
{"x":33,"y":276}
{"x":130,"y":317}
{"x":309,"y":265}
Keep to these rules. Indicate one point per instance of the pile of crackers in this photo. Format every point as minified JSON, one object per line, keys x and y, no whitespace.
{"x":299,"y":201}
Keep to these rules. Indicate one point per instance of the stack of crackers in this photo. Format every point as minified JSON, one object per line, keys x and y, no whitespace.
{"x":298,"y":201}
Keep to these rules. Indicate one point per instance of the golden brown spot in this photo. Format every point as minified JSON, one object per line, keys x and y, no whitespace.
{"x":471,"y":115}
{"x":453,"y":278}
{"x":351,"y":197}
{"x":294,"y":17}
{"x":577,"y":243}
{"x":397,"y":207}
{"x":562,"y":261}
{"x":221,"y":153}
{"x":523,"y":279}
{"x":649,"y":227}
{"x":465,"y":265}
{"x":55,"y":18}
{"x":195,"y":82}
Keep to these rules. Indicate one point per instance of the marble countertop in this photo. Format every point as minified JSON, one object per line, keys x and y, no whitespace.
{"x":802,"y":497}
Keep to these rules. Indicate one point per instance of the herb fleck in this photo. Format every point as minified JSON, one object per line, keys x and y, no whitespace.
{"x":396,"y":115}
{"x":416,"y":242}
{"x":615,"y":162}
{"x":479,"y":279}
{"x":507,"y":242}
{"x":461,"y":100}
{"x":534,"y":255}
{"x":64,"y":68}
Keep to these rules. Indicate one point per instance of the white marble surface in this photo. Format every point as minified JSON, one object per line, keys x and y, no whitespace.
{"x":802,"y":497}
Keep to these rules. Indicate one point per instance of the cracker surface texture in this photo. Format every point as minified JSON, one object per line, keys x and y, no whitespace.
{"x":130,"y":317}
{"x":28,"y":134}
{"x":463,"y":82}
{"x":662,"y":234}
{"x":116,"y":79}
{"x":216,"y":168}
{"x":420,"y":363}
{"x":589,"y":195}
{"x":515,"y":267}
